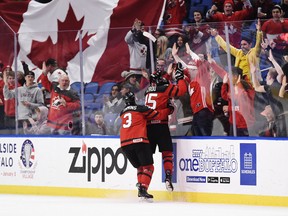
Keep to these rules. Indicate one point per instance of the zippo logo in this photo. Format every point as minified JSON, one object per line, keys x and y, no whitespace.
{"x":98,"y":164}
{"x":248,"y":164}
{"x":27,"y":153}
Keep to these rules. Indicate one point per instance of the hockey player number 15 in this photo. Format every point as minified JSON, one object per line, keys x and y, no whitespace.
{"x":149,"y":101}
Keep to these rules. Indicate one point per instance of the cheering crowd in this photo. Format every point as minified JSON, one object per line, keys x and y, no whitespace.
{"x":255,"y":106}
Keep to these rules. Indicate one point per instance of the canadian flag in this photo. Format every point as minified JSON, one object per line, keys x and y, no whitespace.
{"x":53,"y":30}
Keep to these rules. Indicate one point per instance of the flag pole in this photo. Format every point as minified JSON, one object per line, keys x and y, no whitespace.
{"x":82,"y":83}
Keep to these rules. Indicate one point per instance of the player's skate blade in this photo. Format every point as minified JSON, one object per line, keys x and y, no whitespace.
{"x":143,"y":195}
{"x":168,"y":182}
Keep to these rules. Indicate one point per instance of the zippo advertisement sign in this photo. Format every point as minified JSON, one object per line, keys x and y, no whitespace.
{"x":66,"y":162}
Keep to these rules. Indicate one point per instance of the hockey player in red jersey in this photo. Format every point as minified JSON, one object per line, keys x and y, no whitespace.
{"x":135,"y":143}
{"x":157,"y":96}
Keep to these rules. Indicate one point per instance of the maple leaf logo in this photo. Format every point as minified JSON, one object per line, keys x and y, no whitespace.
{"x":66,"y":47}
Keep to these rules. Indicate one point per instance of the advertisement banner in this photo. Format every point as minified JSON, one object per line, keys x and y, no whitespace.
{"x":64,"y":162}
{"x":248,"y":163}
{"x":232,"y":166}
{"x":216,"y":166}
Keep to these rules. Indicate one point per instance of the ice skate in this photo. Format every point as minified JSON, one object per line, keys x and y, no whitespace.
{"x":168,"y":181}
{"x":143,"y":194}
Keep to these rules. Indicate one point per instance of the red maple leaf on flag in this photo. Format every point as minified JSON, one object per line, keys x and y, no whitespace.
{"x":66,"y":47}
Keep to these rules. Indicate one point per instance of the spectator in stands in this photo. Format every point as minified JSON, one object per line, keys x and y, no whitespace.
{"x":30,"y":97}
{"x":272,"y":88}
{"x":111,"y":103}
{"x":131,"y":79}
{"x":51,"y":69}
{"x":231,"y":18}
{"x":5,"y":69}
{"x":97,"y":126}
{"x":135,"y":81}
{"x":246,"y":54}
{"x":268,"y":128}
{"x":238,"y":5}
{"x":38,"y":126}
{"x":199,"y":92}
{"x":158,"y":45}
{"x":158,"y":32}
{"x":20,"y":74}
{"x":9,"y":105}
{"x":272,"y":30}
{"x":124,"y":88}
{"x":284,"y":7}
{"x":244,"y":103}
{"x":180,"y":42}
{"x":283,"y":92}
{"x":244,"y":94}
{"x":216,"y":83}
{"x":2,"y":126}
{"x":198,"y":33}
{"x":161,"y":47}
{"x":21,"y":78}
{"x":264,"y":62}
{"x":138,"y":47}
{"x":174,"y":15}
{"x":162,"y":65}
{"x":64,"y":105}
{"x":262,"y":9}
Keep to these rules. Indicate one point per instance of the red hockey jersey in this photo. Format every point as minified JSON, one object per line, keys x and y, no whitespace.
{"x":134,"y":121}
{"x":157,"y":97}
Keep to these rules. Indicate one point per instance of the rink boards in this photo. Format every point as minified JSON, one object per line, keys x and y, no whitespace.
{"x":215,"y":170}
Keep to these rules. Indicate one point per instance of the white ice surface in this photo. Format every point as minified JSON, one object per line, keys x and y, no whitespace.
{"x":22,"y":205}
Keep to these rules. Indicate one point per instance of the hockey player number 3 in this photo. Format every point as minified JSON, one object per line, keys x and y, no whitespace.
{"x":128,"y":120}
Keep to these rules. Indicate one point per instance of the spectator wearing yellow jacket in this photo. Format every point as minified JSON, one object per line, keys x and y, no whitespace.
{"x":246,"y":54}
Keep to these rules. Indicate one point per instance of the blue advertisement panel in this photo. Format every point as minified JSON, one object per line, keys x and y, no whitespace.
{"x":248,"y":164}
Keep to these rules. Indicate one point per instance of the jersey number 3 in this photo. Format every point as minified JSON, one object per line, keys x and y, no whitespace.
{"x":128,"y":120}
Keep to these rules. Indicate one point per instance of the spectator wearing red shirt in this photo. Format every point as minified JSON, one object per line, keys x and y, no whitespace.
{"x":231,"y":18}
{"x":175,"y":12}
{"x":244,"y":103}
{"x":198,"y":33}
{"x":273,"y":29}
{"x":64,"y":103}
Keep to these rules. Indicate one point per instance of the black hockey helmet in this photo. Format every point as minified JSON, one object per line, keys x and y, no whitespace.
{"x":129,"y":99}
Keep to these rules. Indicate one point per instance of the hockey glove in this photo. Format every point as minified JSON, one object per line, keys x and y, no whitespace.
{"x":179,"y":72}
